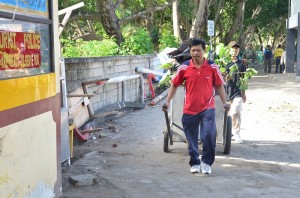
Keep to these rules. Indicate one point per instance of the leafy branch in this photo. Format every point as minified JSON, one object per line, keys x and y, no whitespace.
{"x":221,"y":57}
{"x":243,"y":81}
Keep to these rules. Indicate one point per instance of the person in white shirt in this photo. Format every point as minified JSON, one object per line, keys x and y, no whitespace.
{"x":282,"y":62}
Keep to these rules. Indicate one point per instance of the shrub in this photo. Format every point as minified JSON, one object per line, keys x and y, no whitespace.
{"x":80,"y":48}
{"x":136,"y":43}
{"x":167,"y":38}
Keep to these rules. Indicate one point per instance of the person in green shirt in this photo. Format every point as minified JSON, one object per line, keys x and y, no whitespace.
{"x":249,"y":56}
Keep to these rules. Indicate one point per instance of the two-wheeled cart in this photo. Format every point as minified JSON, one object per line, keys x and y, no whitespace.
{"x":174,"y":130}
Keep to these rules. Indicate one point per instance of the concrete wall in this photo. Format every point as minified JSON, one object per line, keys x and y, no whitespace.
{"x":79,"y":70}
{"x":293,"y":35}
{"x":295,"y":7}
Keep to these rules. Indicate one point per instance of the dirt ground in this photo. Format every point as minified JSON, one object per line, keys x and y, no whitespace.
{"x":267,"y":164}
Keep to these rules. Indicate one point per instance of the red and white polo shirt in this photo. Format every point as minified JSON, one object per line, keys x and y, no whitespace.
{"x":199,"y":85}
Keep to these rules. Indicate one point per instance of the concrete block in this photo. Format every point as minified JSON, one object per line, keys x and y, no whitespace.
{"x":94,"y":73}
{"x":100,"y":71}
{"x":73,"y":85}
{"x":82,"y":66}
{"x":108,"y":70}
{"x":97,"y":65}
{"x":122,"y":62}
{"x":82,"y":74}
{"x":72,"y":75}
{"x":108,"y":63}
{"x":119,"y":70}
{"x":82,"y":180}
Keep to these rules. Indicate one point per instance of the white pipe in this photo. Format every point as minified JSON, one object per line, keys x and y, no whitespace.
{"x":71,"y":8}
{"x":148,"y":71}
{"x":122,"y":78}
{"x":159,"y":98}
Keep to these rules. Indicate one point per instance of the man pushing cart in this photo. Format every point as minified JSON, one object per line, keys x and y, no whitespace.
{"x":194,"y":88}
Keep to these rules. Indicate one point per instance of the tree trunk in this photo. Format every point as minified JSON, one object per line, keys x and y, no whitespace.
{"x":200,"y":22}
{"x":274,"y":43}
{"x":143,"y":13}
{"x":78,"y":28}
{"x":251,"y":29}
{"x":220,"y":30}
{"x":185,"y":21}
{"x":150,"y":25}
{"x":260,"y":40}
{"x":218,"y":11}
{"x":176,"y":20}
{"x":109,"y":19}
{"x":237,"y":22}
{"x":105,"y":12}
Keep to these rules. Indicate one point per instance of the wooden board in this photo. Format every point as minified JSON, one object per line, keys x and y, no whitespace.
{"x":78,"y":111}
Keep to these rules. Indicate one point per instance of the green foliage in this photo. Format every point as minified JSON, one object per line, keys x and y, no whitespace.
{"x":166,"y":80}
{"x":270,"y":21}
{"x":269,"y":24}
{"x":80,"y":48}
{"x":226,"y":17}
{"x":233,"y":69}
{"x":186,"y":7}
{"x":89,"y":5}
{"x":99,"y":30}
{"x":271,"y":11}
{"x":167,"y":39}
{"x":138,"y":42}
{"x":243,"y":82}
{"x":166,"y":66}
{"x":70,"y":31}
{"x":271,"y":17}
{"x":222,"y":56}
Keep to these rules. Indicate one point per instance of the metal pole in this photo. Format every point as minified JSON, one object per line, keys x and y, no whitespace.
{"x":211,"y":56}
{"x":298,"y":50}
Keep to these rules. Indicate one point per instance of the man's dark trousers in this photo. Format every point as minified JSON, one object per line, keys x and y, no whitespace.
{"x":268,"y":65}
{"x":277,"y":61}
{"x":207,"y":122}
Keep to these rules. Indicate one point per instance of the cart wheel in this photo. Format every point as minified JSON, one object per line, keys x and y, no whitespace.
{"x":227,"y":136}
{"x":166,"y":142}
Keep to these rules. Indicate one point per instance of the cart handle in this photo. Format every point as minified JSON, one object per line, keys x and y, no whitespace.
{"x":165,"y":110}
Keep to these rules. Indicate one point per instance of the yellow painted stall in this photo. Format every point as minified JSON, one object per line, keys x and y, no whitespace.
{"x":30,"y":100}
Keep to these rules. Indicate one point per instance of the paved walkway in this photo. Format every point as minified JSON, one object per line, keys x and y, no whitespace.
{"x":131,"y":163}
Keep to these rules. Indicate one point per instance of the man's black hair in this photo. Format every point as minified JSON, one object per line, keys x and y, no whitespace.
{"x":198,"y":42}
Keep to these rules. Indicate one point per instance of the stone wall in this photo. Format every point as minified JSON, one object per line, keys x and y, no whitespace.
{"x":79,"y":70}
